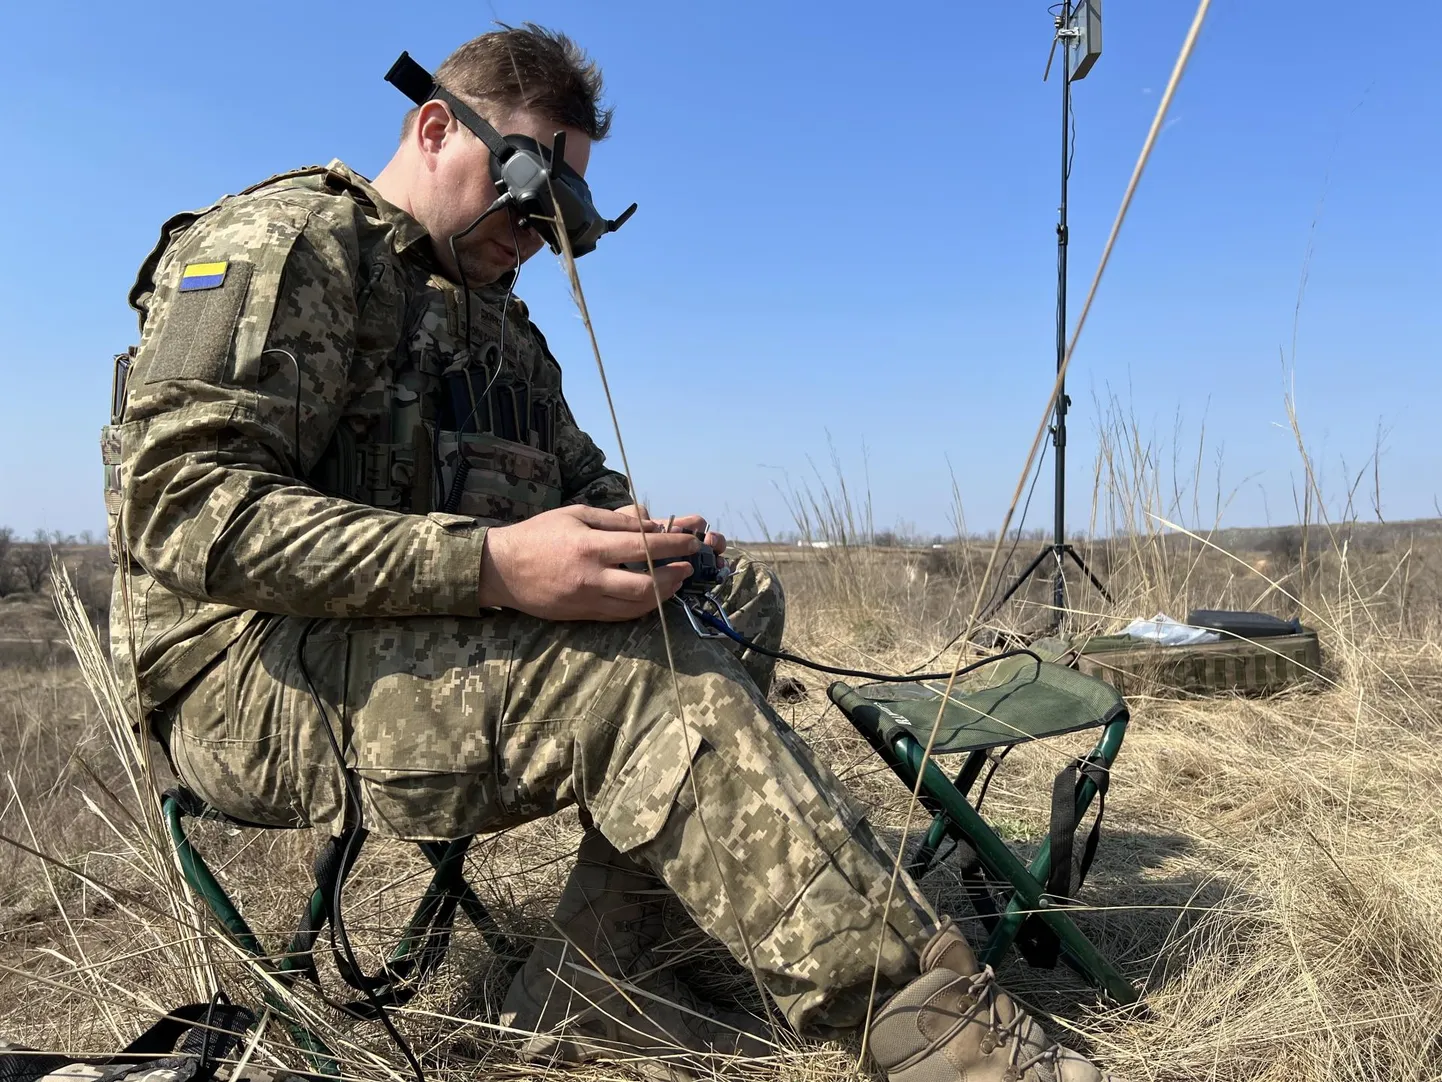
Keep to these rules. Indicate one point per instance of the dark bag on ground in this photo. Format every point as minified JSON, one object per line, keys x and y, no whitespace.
{"x":187,"y":1045}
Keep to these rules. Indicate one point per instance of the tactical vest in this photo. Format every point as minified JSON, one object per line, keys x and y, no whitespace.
{"x":463,"y":418}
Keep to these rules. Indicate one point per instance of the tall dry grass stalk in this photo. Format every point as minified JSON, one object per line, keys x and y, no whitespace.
{"x":135,"y":821}
{"x":1269,"y":866}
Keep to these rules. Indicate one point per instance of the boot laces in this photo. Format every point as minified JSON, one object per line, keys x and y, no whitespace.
{"x":982,"y":990}
{"x":1009,"y":1034}
{"x":1048,"y":1056}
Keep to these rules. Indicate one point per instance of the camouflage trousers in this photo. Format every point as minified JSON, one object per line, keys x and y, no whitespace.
{"x":456,"y":726}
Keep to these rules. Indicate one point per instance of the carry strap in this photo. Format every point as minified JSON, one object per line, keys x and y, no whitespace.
{"x":328,"y":870}
{"x":332,"y":866}
{"x":191,"y":1041}
{"x":1037,"y":943}
{"x":391,"y":985}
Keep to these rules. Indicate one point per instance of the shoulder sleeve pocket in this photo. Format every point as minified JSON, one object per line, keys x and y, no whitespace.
{"x":193,"y":341}
{"x":217,"y":333}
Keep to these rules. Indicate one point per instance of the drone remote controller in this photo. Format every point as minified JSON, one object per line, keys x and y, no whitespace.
{"x":708,"y":570}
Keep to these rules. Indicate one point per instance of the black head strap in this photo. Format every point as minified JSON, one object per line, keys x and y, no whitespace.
{"x":416,"y":83}
{"x":541,"y":189}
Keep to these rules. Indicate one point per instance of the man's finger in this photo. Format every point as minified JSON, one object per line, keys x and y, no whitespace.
{"x":598,"y":518}
{"x":630,"y":509}
{"x":636,"y":587}
{"x":613,"y":548}
{"x":690,"y":523}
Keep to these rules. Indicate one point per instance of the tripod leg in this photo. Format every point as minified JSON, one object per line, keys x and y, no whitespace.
{"x":1076,"y":558}
{"x":1017,"y":584}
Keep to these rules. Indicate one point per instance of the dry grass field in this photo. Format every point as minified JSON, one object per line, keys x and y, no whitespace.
{"x":1270,"y":868}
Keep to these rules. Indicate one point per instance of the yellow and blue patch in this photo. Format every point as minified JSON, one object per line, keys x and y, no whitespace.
{"x":203,"y":275}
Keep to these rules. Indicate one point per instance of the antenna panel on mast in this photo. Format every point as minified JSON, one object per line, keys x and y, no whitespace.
{"x":1084,"y":44}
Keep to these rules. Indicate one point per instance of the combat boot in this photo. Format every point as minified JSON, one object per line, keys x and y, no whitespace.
{"x":954,"y":1023}
{"x":593,"y":988}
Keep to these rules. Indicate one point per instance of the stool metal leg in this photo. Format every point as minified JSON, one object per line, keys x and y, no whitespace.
{"x":1014,"y":916}
{"x":936,"y":834}
{"x":199,"y":876}
{"x":471,"y":905}
{"x":427,"y":936}
{"x":1029,"y":898}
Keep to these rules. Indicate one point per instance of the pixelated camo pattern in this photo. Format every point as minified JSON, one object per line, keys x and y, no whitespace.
{"x":464,"y":726}
{"x":275,"y":452}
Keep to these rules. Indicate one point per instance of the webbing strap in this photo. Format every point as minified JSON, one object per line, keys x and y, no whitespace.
{"x":332,"y":865}
{"x":327,"y":868}
{"x":412,"y":80}
{"x":1037,"y":943}
{"x":388,"y":986}
{"x":190,"y":1041}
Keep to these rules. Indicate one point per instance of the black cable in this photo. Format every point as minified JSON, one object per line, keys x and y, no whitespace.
{"x":510,"y":291}
{"x":299,"y":465}
{"x":501,"y":344}
{"x":336,"y":920}
{"x":995,"y":765}
{"x":724,"y":626}
{"x":499,"y":204}
{"x":458,"y":485}
{"x":1071,"y":150}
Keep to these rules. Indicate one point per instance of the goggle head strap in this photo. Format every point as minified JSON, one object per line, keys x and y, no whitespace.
{"x":524,"y":172}
{"x":420,"y":86}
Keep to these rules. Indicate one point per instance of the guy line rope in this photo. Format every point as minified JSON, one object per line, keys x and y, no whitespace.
{"x":1178,"y":69}
{"x":569,"y":265}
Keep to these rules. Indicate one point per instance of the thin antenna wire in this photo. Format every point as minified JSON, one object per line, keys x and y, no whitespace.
{"x":1183,"y":57}
{"x":568,"y":262}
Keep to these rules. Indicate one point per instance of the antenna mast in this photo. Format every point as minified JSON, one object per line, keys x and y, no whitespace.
{"x":1079,"y":33}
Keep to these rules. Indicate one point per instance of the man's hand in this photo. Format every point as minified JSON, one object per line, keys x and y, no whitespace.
{"x":565,"y":565}
{"x":692,"y":524}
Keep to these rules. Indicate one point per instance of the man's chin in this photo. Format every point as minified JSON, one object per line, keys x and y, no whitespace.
{"x":484,"y":274}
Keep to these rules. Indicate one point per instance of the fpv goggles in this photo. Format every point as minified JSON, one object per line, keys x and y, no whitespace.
{"x":525,"y":173}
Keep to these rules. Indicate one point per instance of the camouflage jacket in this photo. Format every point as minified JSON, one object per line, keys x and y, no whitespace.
{"x":308,"y":428}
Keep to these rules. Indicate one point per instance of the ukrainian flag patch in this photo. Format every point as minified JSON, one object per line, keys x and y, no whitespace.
{"x":203,"y":275}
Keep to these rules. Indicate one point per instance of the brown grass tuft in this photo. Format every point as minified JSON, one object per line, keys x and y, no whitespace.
{"x":1269,"y":867}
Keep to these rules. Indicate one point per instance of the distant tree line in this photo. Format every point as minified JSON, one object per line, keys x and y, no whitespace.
{"x":25,"y":565}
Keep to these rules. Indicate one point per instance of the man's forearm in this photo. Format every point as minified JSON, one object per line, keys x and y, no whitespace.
{"x":249,"y":536}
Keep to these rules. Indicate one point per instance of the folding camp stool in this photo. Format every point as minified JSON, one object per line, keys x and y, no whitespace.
{"x":422,"y":947}
{"x":1032,"y":700}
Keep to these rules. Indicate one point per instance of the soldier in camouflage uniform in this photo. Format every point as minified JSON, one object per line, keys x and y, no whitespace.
{"x":352,"y":505}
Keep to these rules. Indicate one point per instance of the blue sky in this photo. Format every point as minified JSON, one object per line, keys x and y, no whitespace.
{"x":845,"y":238}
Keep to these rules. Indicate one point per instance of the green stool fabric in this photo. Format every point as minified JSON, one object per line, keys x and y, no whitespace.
{"x":1029,"y":700}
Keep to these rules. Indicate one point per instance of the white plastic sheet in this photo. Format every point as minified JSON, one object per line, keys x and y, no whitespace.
{"x":1164,"y":631}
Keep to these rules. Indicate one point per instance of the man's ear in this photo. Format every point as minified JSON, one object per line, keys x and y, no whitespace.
{"x":433,"y":123}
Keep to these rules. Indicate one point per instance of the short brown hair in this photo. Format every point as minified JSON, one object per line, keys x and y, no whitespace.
{"x":527,"y":67}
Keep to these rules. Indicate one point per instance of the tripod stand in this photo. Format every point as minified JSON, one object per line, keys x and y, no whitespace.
{"x":1078,"y":30}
